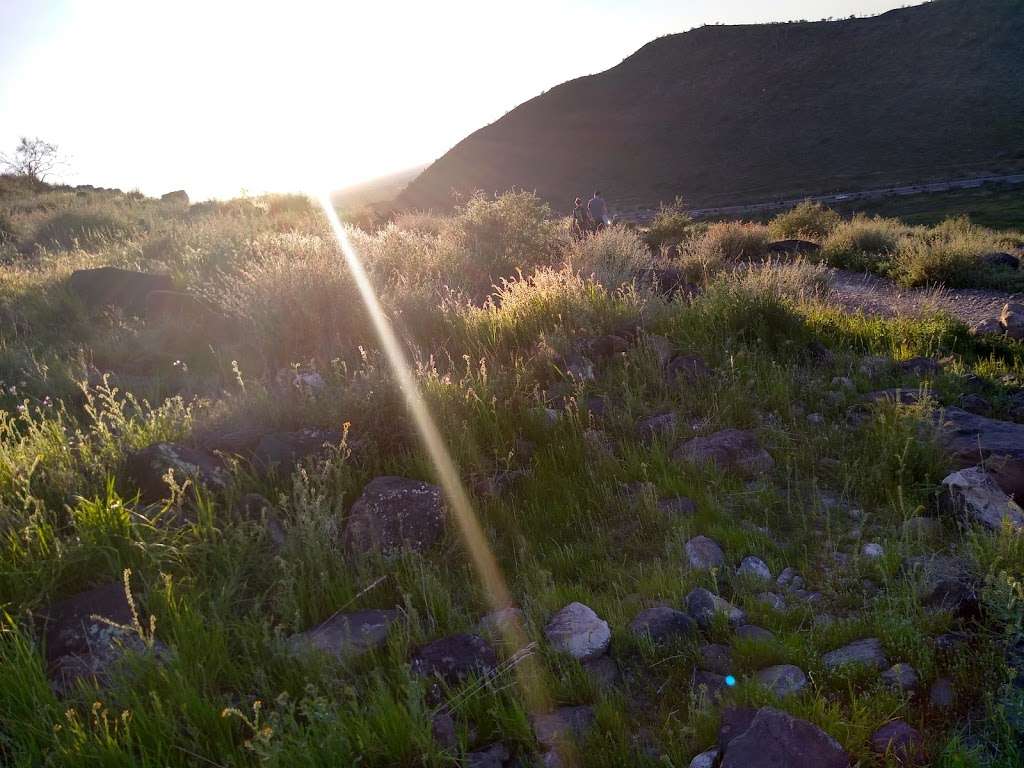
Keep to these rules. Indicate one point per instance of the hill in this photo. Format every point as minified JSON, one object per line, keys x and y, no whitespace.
{"x":383,"y":189}
{"x":726,"y":114}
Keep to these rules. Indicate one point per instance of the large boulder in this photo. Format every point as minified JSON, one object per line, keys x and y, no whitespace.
{"x":973,"y":494}
{"x":782,"y":679}
{"x":395,"y":513}
{"x":776,"y":739}
{"x":578,"y":631}
{"x":728,"y":450}
{"x":146,"y":469}
{"x":1012,"y":319}
{"x":998,"y":445}
{"x":453,"y":659}
{"x":346,"y":634}
{"x":178,"y":196}
{"x":110,"y":286}
{"x":663,"y":624}
{"x":704,"y":554}
{"x":944,"y":582}
{"x":87,"y":635}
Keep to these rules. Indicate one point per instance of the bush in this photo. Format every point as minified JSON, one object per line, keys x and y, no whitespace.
{"x":7,"y":234}
{"x":808,"y":220}
{"x":86,"y":229}
{"x":737,"y":240}
{"x":612,"y":256}
{"x":671,"y":225}
{"x":862,"y":243}
{"x":949,"y":253}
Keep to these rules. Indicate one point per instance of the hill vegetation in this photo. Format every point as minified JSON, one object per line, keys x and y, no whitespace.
{"x":727,"y":114}
{"x":221,"y":540}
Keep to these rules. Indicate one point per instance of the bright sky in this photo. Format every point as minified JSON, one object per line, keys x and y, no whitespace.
{"x":217,"y":96}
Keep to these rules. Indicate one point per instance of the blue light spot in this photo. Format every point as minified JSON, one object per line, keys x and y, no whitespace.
{"x":730,"y":680}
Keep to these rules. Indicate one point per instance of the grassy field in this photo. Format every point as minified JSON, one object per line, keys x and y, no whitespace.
{"x":509,"y":325}
{"x":997,"y":206}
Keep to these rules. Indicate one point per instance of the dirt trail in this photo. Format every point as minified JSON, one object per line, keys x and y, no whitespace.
{"x":877,"y":296}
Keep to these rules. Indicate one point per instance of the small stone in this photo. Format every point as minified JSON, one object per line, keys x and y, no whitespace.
{"x":899,"y":740}
{"x":703,"y":554}
{"x":716,"y":657}
{"x":706,"y":759}
{"x":753,"y":632}
{"x":455,"y":658}
{"x":950,"y":641}
{"x":565,"y":724}
{"x":942,"y":694}
{"x":773,"y":601}
{"x":872,"y":551}
{"x":493,"y":756}
{"x":901,"y":676}
{"x":782,"y":679}
{"x":578,"y":631}
{"x":815,"y":419}
{"x":727,"y":450}
{"x":789,"y":578}
{"x":443,"y":729}
{"x":754,"y":567}
{"x":703,"y":606}
{"x":867,"y":652}
{"x":677,"y":506}
{"x":662,"y":624}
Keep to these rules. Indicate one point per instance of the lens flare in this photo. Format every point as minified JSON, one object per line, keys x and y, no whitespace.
{"x":484,"y":562}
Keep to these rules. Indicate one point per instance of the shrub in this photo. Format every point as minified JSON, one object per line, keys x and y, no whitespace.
{"x":671,"y":225}
{"x":808,"y":220}
{"x":612,"y":256}
{"x":7,"y":234}
{"x":86,"y":229}
{"x":862,"y":243}
{"x":948,"y":253}
{"x":737,"y":240}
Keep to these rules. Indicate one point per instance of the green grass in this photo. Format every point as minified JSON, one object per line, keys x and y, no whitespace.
{"x":224,"y":600}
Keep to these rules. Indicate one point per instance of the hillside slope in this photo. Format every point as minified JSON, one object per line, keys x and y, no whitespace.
{"x":724,"y":114}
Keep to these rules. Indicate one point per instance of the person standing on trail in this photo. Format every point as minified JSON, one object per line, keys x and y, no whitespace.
{"x":598,"y":211}
{"x":580,"y":220}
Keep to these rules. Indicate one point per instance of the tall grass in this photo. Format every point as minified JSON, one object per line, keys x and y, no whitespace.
{"x":808,"y":220}
{"x":614,"y":256}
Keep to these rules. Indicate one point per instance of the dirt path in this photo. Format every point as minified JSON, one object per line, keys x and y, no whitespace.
{"x":877,"y":296}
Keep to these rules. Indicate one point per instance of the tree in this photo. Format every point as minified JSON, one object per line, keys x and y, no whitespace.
{"x":32,"y":157}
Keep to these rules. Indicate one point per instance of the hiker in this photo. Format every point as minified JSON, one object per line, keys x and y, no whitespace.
{"x":598,"y":211}
{"x":580,"y":220}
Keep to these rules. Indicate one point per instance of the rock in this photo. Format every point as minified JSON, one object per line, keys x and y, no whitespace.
{"x":502,"y":621}
{"x":110,"y":286}
{"x":344,"y":635}
{"x":80,"y":645}
{"x":942,"y":695}
{"x":703,"y":554}
{"x":755,"y":568}
{"x":948,"y":642}
{"x":986,"y":327}
{"x":919,"y":366}
{"x":661,"y":348}
{"x":901,"y":676}
{"x":442,"y":727}
{"x":716,"y":657}
{"x":703,"y":606}
{"x":564,"y":725}
{"x":772,"y":600}
{"x":921,"y":528}
{"x":578,"y":631}
{"x":395,"y":513}
{"x":706,"y":759}
{"x":782,"y":679}
{"x":708,"y":686}
{"x":663,"y":624}
{"x":899,"y":740}
{"x":818,"y":354}
{"x":259,"y":509}
{"x":793,"y":247}
{"x":944,"y":582}
{"x":897,"y":395}
{"x":1007,"y":260}
{"x":790,"y":579}
{"x":604,"y":348}
{"x":454,"y":658}
{"x":1012,"y":320}
{"x":285,"y":449}
{"x":973,"y":439}
{"x":603,"y":671}
{"x":677,"y":506}
{"x":974,"y":495}
{"x":730,"y":449}
{"x":975,"y":403}
{"x":776,"y":739}
{"x":872,"y":551}
{"x":815,"y":419}
{"x":687,"y":369}
{"x":734,"y":722}
{"x":661,"y":426}
{"x":866,"y":652}
{"x":493,"y":756}
{"x":844,"y":382}
{"x":178,"y":197}
{"x":753,"y":632}
{"x":147,"y":468}
{"x":669,"y":281}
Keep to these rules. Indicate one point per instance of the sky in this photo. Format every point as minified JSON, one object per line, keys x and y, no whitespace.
{"x":220,"y":97}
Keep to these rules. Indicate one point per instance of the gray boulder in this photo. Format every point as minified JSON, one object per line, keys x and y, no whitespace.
{"x":663,"y":624}
{"x":942,"y":694}
{"x":899,"y":740}
{"x":753,"y":632}
{"x":566,"y":724}
{"x":716,"y":657}
{"x":707,"y":759}
{"x":782,"y":679}
{"x":867,"y":652}
{"x":455,"y":658}
{"x":944,"y":583}
{"x":776,"y":739}
{"x":286,"y":449}
{"x":755,"y":568}
{"x":661,"y":426}
{"x":345,"y":635}
{"x":395,"y":513}
{"x":146,"y":469}
{"x":734,"y":450}
{"x":493,"y":756}
{"x":1012,"y":319}
{"x":703,"y":554}
{"x":703,"y":606}
{"x":578,"y":631}
{"x":687,"y":369}
{"x":902,"y":677}
{"x":999,"y":445}
{"x":973,"y":494}
{"x":110,"y":286}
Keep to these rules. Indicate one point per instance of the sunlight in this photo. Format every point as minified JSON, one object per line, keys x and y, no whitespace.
{"x":474,"y":539}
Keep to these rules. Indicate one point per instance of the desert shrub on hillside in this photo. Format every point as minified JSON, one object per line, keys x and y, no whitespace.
{"x":737,"y":240}
{"x":419,"y":221}
{"x":808,"y":220}
{"x":612,"y":256}
{"x":948,"y":253}
{"x":84,"y":228}
{"x":671,"y":225}
{"x":862,"y":243}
